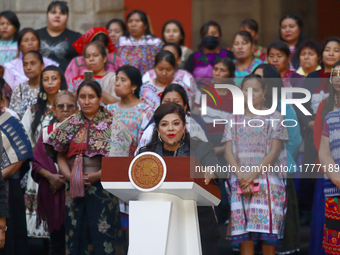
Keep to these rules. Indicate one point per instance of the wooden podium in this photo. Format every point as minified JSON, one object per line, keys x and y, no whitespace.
{"x":164,"y":220}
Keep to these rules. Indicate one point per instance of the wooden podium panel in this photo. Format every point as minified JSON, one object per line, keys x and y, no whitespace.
{"x":115,"y":169}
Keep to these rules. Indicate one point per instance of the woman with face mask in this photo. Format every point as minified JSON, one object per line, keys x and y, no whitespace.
{"x":201,"y":63}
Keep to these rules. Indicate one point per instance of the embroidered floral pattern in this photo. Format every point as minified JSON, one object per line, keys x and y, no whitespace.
{"x":105,"y":135}
{"x":250,"y":145}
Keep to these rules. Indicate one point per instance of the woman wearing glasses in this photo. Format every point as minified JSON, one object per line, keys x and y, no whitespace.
{"x":51,"y":193}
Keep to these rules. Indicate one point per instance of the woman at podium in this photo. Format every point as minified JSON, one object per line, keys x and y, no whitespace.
{"x":171,"y":138}
{"x":92,"y":213}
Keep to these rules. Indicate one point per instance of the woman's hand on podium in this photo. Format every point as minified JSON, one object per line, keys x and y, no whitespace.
{"x":208,"y":177}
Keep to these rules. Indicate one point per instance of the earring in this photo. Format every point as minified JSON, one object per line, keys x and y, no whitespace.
{"x":43,"y":95}
{"x":183,"y":136}
{"x":159,"y":137}
{"x":59,"y":90}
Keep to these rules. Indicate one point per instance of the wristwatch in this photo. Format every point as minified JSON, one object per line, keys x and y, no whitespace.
{"x":3,"y":228}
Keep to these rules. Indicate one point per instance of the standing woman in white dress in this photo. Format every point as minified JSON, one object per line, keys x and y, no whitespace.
{"x":34,"y":120}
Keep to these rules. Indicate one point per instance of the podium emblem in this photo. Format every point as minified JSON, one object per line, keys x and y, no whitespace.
{"x":147,"y":171}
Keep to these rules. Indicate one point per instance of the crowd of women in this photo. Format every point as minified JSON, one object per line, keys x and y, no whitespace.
{"x":67,"y":100}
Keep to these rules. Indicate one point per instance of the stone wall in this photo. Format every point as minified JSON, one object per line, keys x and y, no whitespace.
{"x":229,"y":14}
{"x":84,"y":14}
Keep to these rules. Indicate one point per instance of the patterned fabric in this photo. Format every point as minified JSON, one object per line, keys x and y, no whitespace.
{"x":86,"y":38}
{"x":50,"y":206}
{"x":32,"y":186}
{"x":16,"y":145}
{"x":135,"y":119}
{"x":292,"y":52}
{"x":76,"y":81}
{"x":331,"y":129}
{"x":204,"y":63}
{"x":249,"y":70}
{"x":286,"y":78}
{"x":8,"y":51}
{"x":331,"y":240}
{"x":27,"y":120}
{"x":104,"y":135}
{"x":259,"y":52}
{"x":180,"y":74}
{"x":14,"y":71}
{"x":23,"y":97}
{"x":192,"y":127}
{"x":107,"y":83}
{"x":151,"y":94}
{"x":77,"y":66}
{"x":250,"y":145}
{"x":93,"y":224}
{"x":140,"y":54}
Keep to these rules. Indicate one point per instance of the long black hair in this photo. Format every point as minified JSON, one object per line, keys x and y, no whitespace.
{"x":313,"y":45}
{"x":13,"y":19}
{"x":25,"y":31}
{"x":295,"y":58}
{"x":61,"y":4}
{"x":161,"y":111}
{"x":229,"y":63}
{"x":120,"y":23}
{"x":205,"y":28}
{"x":280,"y":46}
{"x":272,"y":79}
{"x":41,"y":104}
{"x":134,"y":76}
{"x":330,"y":100}
{"x":299,"y":22}
{"x":180,"y":90}
{"x":143,"y":18}
{"x":324,"y":45}
{"x":93,"y":85}
{"x":166,"y":56}
{"x":180,"y":27}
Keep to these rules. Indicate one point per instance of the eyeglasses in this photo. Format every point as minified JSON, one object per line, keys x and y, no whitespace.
{"x":68,"y":106}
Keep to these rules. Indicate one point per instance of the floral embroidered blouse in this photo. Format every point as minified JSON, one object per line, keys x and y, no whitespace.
{"x":135,"y":119}
{"x":8,"y":51}
{"x":151,"y":94}
{"x":23,"y":97}
{"x":103,"y":135}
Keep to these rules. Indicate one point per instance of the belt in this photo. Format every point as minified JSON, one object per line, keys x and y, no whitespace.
{"x":93,"y":164}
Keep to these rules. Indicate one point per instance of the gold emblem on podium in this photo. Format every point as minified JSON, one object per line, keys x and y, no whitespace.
{"x":147,"y":171}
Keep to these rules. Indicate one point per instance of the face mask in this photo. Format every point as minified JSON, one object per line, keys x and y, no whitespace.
{"x":210,"y":42}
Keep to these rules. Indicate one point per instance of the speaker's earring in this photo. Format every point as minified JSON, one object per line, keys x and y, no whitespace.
{"x":159,"y":137}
